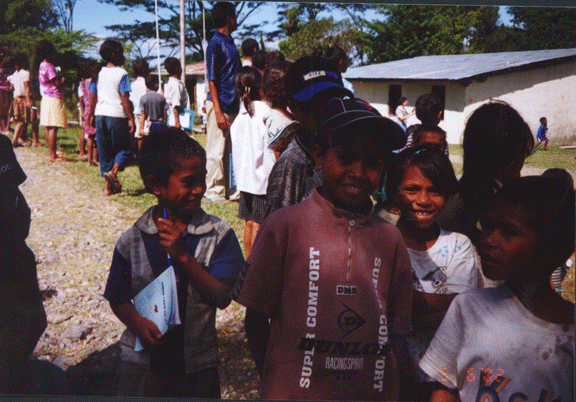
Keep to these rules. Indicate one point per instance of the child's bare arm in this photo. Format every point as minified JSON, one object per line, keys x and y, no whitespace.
{"x":93,"y":102}
{"x":257,"y":329}
{"x":428,"y":309}
{"x":127,"y":105}
{"x":442,"y":394}
{"x":143,"y":118}
{"x":209,"y":287}
{"x":176,"y":118}
{"x":165,"y":115}
{"x":143,"y":328}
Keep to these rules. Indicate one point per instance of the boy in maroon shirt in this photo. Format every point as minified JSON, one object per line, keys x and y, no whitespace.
{"x":333,"y":278}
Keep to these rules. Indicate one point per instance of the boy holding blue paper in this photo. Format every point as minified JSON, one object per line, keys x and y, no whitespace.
{"x":206,"y":257}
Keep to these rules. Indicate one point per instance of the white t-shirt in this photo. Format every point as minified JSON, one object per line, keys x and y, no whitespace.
{"x":18,"y":79}
{"x":449,"y":266}
{"x":175,"y":93}
{"x":111,"y":81}
{"x":489,"y":329}
{"x":138,"y":91}
{"x":251,"y":157}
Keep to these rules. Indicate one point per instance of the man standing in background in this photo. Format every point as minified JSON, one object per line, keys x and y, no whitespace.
{"x":222,"y":64}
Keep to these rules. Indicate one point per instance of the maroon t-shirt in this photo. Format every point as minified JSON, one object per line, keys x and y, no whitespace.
{"x":335,"y":286}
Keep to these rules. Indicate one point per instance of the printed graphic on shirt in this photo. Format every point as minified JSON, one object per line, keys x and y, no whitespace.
{"x":437,"y":278}
{"x":489,"y":390}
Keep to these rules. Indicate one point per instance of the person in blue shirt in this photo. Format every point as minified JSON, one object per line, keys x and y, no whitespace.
{"x":222,"y":105}
{"x":541,"y":135}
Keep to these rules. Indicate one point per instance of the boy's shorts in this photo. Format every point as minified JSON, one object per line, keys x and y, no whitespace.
{"x":20,"y":113}
{"x":139,"y":381}
{"x":252,"y":207}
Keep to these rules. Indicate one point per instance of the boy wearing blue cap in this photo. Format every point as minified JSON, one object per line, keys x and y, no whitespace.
{"x":333,"y":278}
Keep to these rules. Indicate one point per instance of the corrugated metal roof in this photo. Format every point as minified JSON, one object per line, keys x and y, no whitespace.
{"x":454,"y":67}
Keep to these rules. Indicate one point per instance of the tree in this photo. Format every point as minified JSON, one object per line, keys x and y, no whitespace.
{"x":138,"y":34}
{"x":15,"y":14}
{"x":418,"y":30}
{"x":65,"y":9}
{"x":544,"y":28}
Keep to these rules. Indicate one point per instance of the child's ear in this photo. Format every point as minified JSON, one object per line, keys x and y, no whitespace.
{"x":152,"y":183}
{"x":318,"y":156}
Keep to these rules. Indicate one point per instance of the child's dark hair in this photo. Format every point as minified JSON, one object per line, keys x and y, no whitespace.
{"x":221,"y":11}
{"x":428,"y":107}
{"x":496,"y":142}
{"x":87,"y":68}
{"x":249,"y":46}
{"x":542,"y":120}
{"x":259,"y":59}
{"x":44,"y":49}
{"x":248,"y":81}
{"x":335,"y":54}
{"x":140,"y":68}
{"x":152,"y":81}
{"x":426,"y":128}
{"x":171,"y":64}
{"x":550,"y":201}
{"x":273,"y":85}
{"x":561,"y":174}
{"x":21,"y":60}
{"x":110,"y":50}
{"x":274,"y":56}
{"x":434,"y":165}
{"x":161,"y":153}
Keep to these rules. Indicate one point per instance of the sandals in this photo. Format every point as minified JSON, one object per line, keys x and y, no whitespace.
{"x":113,"y":182}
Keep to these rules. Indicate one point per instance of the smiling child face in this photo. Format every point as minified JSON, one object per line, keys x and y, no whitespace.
{"x":351,"y":171}
{"x":419,"y":200}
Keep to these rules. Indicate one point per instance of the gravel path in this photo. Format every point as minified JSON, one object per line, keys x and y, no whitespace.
{"x":73,"y":232}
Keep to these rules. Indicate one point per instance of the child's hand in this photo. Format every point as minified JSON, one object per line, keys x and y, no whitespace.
{"x":132,"y":126}
{"x":148,"y":333}
{"x":171,"y":237}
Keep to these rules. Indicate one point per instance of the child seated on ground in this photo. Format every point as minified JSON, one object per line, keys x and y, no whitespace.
{"x":443,"y":263}
{"x":153,"y":109}
{"x":206,"y":257}
{"x":513,"y":342}
{"x":332,"y":277}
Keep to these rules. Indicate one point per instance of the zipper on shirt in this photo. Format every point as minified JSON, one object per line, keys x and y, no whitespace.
{"x":351,"y":224}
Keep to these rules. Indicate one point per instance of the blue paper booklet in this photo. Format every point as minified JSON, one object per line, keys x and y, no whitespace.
{"x":158,"y":302}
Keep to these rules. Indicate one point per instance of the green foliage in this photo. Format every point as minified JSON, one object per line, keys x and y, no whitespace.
{"x":17,"y":14}
{"x":544,"y":28}
{"x":417,"y":30}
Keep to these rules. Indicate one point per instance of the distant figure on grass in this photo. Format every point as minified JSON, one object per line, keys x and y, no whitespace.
{"x":206,"y":257}
{"x":249,"y":46}
{"x":338,"y":338}
{"x":514,"y":341}
{"x":113,"y":115}
{"x":443,"y":263}
{"x":22,"y":105}
{"x":87,"y":72}
{"x":52,"y":108}
{"x":153,"y":109}
{"x":496,"y":141}
{"x":22,"y":315}
{"x":402,"y":113}
{"x":175,"y":90}
{"x":541,"y":136}
{"x":251,"y":156}
{"x":222,"y":64}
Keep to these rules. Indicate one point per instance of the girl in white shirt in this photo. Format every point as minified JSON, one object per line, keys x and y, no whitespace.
{"x":251,"y":158}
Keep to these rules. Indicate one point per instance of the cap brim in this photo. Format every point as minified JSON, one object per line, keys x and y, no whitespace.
{"x":309,"y":92}
{"x":394,"y":136}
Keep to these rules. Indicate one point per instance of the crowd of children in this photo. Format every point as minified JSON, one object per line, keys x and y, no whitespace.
{"x":440,"y":292}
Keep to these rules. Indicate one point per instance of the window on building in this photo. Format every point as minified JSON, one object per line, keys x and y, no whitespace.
{"x":394,"y":93}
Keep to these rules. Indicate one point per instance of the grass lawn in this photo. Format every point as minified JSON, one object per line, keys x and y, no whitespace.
{"x":135,"y":196}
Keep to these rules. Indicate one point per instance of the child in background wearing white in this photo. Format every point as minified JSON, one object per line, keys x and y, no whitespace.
{"x":513,"y":342}
{"x":252,"y":160}
{"x":443,"y":263}
{"x":174,"y":90}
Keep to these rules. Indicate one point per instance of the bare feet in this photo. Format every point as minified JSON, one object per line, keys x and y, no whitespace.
{"x":37,"y":144}
{"x":58,"y":159}
{"x":83,"y":157}
{"x":112,"y":181}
